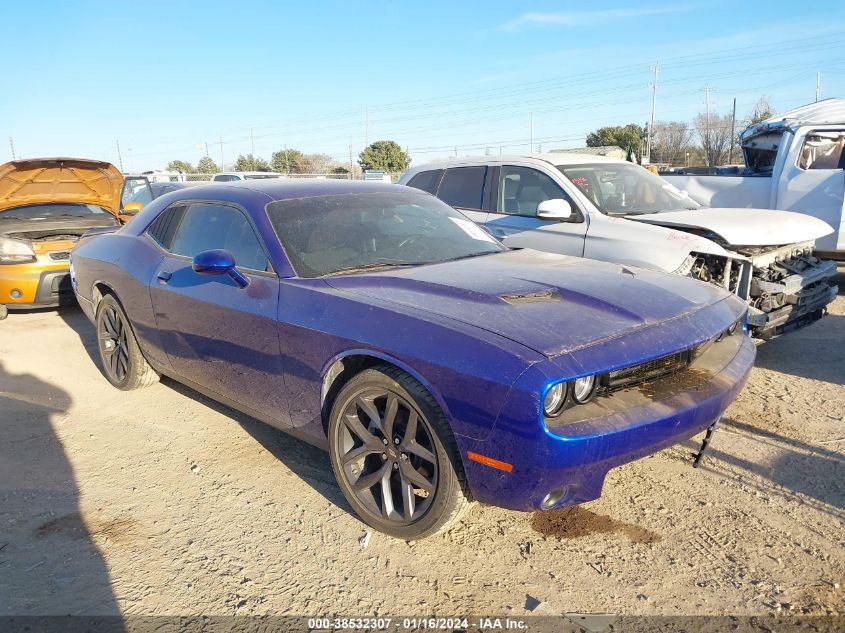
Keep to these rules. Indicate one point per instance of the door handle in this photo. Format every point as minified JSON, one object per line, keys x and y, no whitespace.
{"x":164,"y":276}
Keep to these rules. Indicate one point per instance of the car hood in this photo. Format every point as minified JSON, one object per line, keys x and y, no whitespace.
{"x":553,"y":304}
{"x":50,"y":180}
{"x":744,"y":227}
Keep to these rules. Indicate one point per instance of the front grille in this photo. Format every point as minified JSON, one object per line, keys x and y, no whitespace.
{"x":59,"y":256}
{"x":645,"y":372}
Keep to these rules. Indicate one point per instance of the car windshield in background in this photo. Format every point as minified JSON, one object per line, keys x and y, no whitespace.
{"x":50,"y":211}
{"x":326,"y":235}
{"x":626,"y":189}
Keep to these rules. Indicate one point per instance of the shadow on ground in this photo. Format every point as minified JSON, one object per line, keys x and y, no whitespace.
{"x":49,"y":563}
{"x":811,"y":470}
{"x":309,"y":463}
{"x":806,"y":353}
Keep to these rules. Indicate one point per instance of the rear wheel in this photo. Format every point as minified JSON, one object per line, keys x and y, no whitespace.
{"x":4,"y":312}
{"x":123,"y":363}
{"x":394,"y":455}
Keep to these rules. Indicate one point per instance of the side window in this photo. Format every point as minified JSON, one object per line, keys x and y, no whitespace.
{"x":823,"y":150}
{"x":164,"y":226}
{"x":426,"y":180}
{"x":522,"y":189}
{"x":224,"y":178}
{"x":462,"y":187}
{"x":207,"y":226}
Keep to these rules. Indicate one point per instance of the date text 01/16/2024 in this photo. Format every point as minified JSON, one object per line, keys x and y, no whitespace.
{"x":418,"y":623}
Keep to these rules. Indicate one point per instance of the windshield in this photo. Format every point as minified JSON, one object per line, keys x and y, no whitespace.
{"x":626,"y":189}
{"x":327,"y":235}
{"x":49,"y":211}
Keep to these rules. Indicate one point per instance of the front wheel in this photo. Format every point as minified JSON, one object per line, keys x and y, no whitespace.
{"x":4,"y":311}
{"x":394,"y":455}
{"x":123,"y":363}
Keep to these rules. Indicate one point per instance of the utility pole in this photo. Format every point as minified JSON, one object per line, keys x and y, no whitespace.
{"x":252,"y":149}
{"x":119,"y":157}
{"x":656,"y":70}
{"x":366,"y":127}
{"x":222,"y":166}
{"x":733,"y":133}
{"x":206,"y":148}
{"x":456,"y":151}
{"x":530,"y":132}
{"x":706,"y":142}
{"x":818,"y":84}
{"x":287,"y":160}
{"x":351,"y":166}
{"x":12,"y":145}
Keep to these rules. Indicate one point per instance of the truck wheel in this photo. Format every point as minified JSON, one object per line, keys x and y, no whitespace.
{"x":4,"y":312}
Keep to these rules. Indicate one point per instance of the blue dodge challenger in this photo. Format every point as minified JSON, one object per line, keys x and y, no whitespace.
{"x":435,"y":365}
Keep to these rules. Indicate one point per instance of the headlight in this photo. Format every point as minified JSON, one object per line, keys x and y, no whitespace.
{"x":583,"y":389}
{"x":15,"y":251}
{"x":555,"y":399}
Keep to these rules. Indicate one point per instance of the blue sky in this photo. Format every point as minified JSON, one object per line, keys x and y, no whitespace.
{"x":164,"y":78}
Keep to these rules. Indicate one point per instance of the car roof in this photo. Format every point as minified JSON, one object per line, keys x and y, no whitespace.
{"x":551,"y":158}
{"x":286,"y":189}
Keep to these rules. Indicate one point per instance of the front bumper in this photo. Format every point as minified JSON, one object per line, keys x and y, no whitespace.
{"x":43,"y":283}
{"x":570,"y":462}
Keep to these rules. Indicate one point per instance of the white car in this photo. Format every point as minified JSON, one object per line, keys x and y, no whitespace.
{"x":234,"y":176}
{"x":608,"y":209}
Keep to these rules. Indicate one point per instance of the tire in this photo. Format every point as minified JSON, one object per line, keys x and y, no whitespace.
{"x":123,"y":364}
{"x":418,"y":466}
{"x":4,"y":311}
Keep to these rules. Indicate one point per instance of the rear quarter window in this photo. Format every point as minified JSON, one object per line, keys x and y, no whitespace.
{"x":426,"y":180}
{"x":163,"y":228}
{"x":462,"y":187}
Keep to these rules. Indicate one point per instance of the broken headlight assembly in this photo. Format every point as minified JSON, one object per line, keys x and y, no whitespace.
{"x":15,"y":251}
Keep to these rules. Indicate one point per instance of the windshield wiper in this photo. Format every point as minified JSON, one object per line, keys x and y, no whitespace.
{"x":454,"y":259}
{"x":373,"y":266}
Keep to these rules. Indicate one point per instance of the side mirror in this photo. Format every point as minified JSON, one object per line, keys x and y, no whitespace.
{"x":556,"y":209}
{"x":131,"y":208}
{"x":218,"y":262}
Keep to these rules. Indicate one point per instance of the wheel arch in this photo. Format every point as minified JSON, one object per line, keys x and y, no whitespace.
{"x":342,"y":367}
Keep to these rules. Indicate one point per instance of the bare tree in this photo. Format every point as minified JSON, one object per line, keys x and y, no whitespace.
{"x":671,"y":141}
{"x":762,"y":111}
{"x":715,"y":134}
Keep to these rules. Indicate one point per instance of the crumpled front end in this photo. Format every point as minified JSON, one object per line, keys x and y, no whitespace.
{"x":786,"y":287}
{"x":789,"y":288}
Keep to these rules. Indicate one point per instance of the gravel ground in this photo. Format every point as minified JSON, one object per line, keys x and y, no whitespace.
{"x":161,"y":501}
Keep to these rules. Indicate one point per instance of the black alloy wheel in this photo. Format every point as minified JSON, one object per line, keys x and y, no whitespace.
{"x":386,"y":439}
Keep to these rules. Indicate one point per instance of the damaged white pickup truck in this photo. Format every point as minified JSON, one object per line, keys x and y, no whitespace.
{"x":612,"y":210}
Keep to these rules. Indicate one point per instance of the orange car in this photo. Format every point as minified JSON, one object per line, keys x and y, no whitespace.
{"x":46,"y":204}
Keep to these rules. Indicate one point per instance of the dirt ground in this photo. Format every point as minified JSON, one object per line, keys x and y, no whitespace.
{"x":162,"y":502}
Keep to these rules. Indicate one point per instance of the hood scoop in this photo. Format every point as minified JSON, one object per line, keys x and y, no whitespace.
{"x":531,"y":297}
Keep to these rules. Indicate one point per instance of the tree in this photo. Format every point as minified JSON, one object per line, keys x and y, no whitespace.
{"x":629,"y":136}
{"x":762,"y":111}
{"x":248,"y":162}
{"x":180,"y":165}
{"x":317,"y":163}
{"x":671,"y":142}
{"x":385,"y":156}
{"x":287,"y":161}
{"x":207,"y":166}
{"x":715,"y":134}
